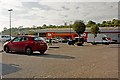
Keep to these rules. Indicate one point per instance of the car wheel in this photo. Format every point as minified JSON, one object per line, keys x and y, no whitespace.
{"x":106,"y":43}
{"x":42,"y":51}
{"x":7,"y":49}
{"x":28,"y":51}
{"x":93,"y":43}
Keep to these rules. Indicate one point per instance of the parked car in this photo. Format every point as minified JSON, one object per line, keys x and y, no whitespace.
{"x":54,"y":40}
{"x":72,"y":42}
{"x":5,"y":38}
{"x":100,"y":39}
{"x":26,"y":44}
{"x":64,"y":40}
{"x":47,"y":40}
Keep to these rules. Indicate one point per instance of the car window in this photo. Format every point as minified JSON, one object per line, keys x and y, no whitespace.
{"x":5,"y":36}
{"x":17,"y":39}
{"x":39,"y":39}
{"x":36,"y":39}
{"x":24,"y":39}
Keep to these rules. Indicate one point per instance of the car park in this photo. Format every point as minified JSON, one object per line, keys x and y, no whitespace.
{"x":26,"y":44}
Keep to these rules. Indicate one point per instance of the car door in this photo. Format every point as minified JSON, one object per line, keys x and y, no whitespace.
{"x":23,"y":43}
{"x":15,"y":44}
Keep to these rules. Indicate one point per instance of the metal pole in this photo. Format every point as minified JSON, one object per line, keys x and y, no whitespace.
{"x":10,"y":22}
{"x":10,"y":25}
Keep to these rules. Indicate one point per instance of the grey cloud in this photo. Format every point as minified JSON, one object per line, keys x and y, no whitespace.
{"x":31,"y":5}
{"x":31,"y":17}
{"x":77,"y":7}
{"x":65,"y":8}
{"x":27,"y":7}
{"x":63,"y":15}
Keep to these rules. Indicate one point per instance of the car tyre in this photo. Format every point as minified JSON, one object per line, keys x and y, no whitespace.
{"x":106,"y":43}
{"x":28,"y":51}
{"x":7,"y":49}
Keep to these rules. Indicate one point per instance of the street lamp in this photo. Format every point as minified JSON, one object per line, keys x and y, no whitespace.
{"x":10,"y":21}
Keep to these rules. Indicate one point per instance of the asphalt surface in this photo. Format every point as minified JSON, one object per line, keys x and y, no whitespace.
{"x":86,"y":61}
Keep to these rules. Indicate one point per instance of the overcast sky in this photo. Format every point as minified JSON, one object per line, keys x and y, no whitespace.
{"x":38,"y":12}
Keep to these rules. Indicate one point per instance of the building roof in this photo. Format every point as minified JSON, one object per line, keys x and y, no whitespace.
{"x":68,"y":30}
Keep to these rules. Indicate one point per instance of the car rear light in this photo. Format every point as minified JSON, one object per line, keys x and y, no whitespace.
{"x":109,"y":38}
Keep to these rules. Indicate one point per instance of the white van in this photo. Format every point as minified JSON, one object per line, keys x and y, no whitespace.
{"x":100,"y":39}
{"x":4,"y":37}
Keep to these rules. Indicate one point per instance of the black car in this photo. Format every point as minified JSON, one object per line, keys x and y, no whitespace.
{"x":72,"y":42}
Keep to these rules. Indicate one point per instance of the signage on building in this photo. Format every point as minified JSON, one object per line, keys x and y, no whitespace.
{"x":85,"y":34}
{"x":50,"y":34}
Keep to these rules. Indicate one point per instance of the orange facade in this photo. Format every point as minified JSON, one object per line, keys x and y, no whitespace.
{"x":63,"y":35}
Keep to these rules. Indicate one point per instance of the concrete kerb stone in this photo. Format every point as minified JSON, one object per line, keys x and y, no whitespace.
{"x":1,"y":50}
{"x":53,"y":47}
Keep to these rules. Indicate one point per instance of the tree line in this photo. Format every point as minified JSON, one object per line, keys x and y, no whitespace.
{"x":89,"y":24}
{"x":113,"y":23}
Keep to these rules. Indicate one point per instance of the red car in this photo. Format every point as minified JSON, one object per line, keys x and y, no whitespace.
{"x":26,"y":44}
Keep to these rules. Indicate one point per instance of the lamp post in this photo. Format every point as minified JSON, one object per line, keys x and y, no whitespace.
{"x":10,"y":21}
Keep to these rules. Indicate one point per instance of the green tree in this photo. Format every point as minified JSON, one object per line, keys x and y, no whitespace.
{"x":34,"y":27}
{"x":98,"y":24}
{"x":31,"y":32}
{"x":108,"y":24}
{"x":20,"y":29}
{"x":103,"y":24}
{"x":94,"y":30}
{"x":5,"y":29}
{"x":90,"y":23}
{"x":39,"y":27}
{"x":79,"y":27}
{"x":44,"y":26}
{"x":115,"y":22}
